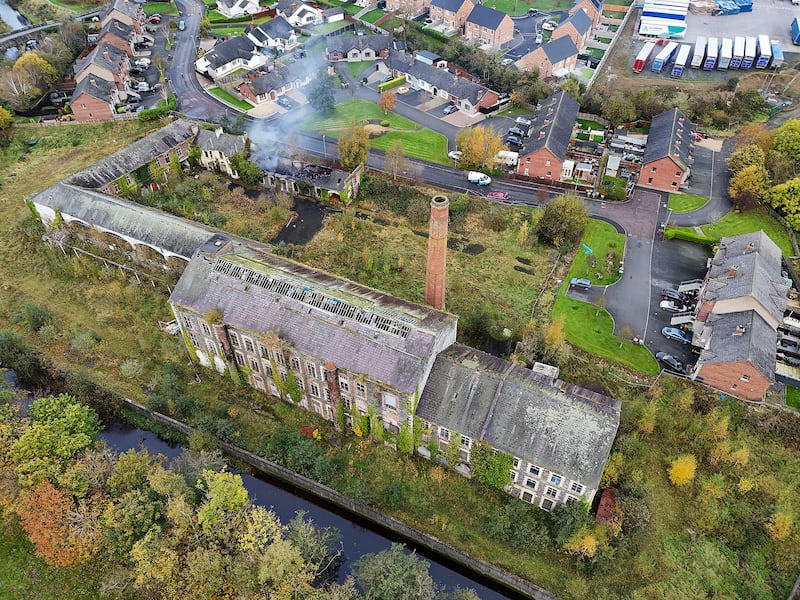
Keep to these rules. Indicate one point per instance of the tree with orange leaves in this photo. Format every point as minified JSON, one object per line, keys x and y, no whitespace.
{"x":43,"y":512}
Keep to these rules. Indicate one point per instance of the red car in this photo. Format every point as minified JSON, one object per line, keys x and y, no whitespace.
{"x":155,"y":19}
{"x":499,"y":196}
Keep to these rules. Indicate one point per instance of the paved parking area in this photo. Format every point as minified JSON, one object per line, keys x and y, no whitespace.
{"x":770,"y":17}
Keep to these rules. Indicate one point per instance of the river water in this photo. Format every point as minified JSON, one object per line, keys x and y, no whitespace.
{"x":11,"y":17}
{"x":357,"y":539}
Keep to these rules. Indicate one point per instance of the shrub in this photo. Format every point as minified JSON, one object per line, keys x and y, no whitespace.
{"x":131,"y":368}
{"x":394,"y":495}
{"x":33,"y":317}
{"x":689,"y":236}
{"x":683,"y":469}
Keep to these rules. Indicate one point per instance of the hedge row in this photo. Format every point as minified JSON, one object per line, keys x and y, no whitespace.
{"x":396,"y":82}
{"x":679,"y":233}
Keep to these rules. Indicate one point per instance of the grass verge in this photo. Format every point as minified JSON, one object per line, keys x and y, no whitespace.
{"x":373,"y":15}
{"x":165,"y":9}
{"x":77,"y":7}
{"x":588,"y":326}
{"x":226,"y":96}
{"x":682,"y":203}
{"x":417,"y":142}
{"x":757,"y":219}
{"x":357,"y":68}
{"x":793,"y":397}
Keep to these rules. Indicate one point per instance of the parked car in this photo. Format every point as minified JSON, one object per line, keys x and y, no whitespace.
{"x":579,"y":282}
{"x":499,"y":196}
{"x":516,"y":131}
{"x":450,"y":109}
{"x":154,"y":19}
{"x":533,"y":11}
{"x":539,"y":38}
{"x":513,"y":139}
{"x":673,"y":333}
{"x":789,"y":343}
{"x":142,"y":62}
{"x":284,"y":102}
{"x":135,"y":71}
{"x":672,"y":306}
{"x":670,"y":294}
{"x":790,"y":360}
{"x":455,"y":154}
{"x":506,"y":61}
{"x":670,"y":362}
{"x":523,"y":121}
{"x":387,"y":79}
{"x":549,"y":26}
{"x":181,"y":25}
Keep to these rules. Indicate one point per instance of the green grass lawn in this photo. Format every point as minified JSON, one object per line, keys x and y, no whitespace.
{"x":604,"y":40}
{"x":326,"y":28}
{"x":681,"y":203}
{"x":417,"y":143}
{"x":514,"y":7}
{"x":373,"y":15}
{"x":165,"y":9}
{"x":77,"y":7}
{"x":611,"y":14}
{"x":596,"y":52}
{"x":587,"y":73}
{"x":587,"y":124}
{"x":357,"y":68}
{"x":351,"y":9}
{"x":226,"y":96}
{"x":746,"y":222}
{"x":392,"y":23}
{"x":231,"y":30}
{"x":793,"y":396}
{"x":590,"y":327}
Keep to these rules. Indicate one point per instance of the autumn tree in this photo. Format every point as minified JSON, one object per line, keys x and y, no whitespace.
{"x":785,"y":198}
{"x":583,"y":543}
{"x":29,"y":78}
{"x":394,"y":575}
{"x":395,"y":161}
{"x":387,"y":101}
{"x":479,"y":146}
{"x":353,"y":146}
{"x":563,"y":221}
{"x":682,"y":470}
{"x":60,"y":430}
{"x":554,"y":336}
{"x":647,"y":419}
{"x":751,"y":178}
{"x":779,"y":526}
{"x":745,"y":200}
{"x":787,"y":140}
{"x":745,"y":156}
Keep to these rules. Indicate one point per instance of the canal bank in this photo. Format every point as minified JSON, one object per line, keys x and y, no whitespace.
{"x":11,"y":17}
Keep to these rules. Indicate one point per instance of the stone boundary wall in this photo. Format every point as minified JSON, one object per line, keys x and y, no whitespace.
{"x":363,"y":511}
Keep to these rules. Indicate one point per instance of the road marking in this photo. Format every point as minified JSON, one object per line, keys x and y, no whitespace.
{"x":711,"y":187}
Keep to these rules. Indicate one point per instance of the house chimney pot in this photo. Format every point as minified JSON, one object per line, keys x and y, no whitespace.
{"x":436,"y":273}
{"x":106,"y":55}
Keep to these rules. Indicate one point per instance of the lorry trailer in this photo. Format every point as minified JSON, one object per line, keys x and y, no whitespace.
{"x":738,"y":52}
{"x":750,"y":49}
{"x":644,"y":55}
{"x":712,"y":51}
{"x":764,"y":55}
{"x":681,"y":60}
{"x":663,"y":57}
{"x":699,"y":54}
{"x":796,"y":32}
{"x":725,"y":54}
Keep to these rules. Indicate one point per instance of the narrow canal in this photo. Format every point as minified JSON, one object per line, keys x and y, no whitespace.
{"x":11,"y":17}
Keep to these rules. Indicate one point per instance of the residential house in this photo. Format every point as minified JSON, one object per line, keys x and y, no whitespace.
{"x":543,"y":154}
{"x":558,"y":434}
{"x":578,"y":26}
{"x":452,"y":14}
{"x":159,"y":150}
{"x":668,"y":155}
{"x":237,"y":8}
{"x":281,"y":321}
{"x":556,"y":58}
{"x":231,"y":55}
{"x":276,"y":82}
{"x":217,"y":148}
{"x":407,"y":8}
{"x":333,"y":14}
{"x":118,"y":34}
{"x":126,"y":11}
{"x":299,"y":13}
{"x":469,"y":97}
{"x":488,"y":27}
{"x":276,"y":34}
{"x":94,"y":100}
{"x":317,"y":181}
{"x":105,"y":62}
{"x":593,"y":8}
{"x":740,"y":307}
{"x":355,"y":48}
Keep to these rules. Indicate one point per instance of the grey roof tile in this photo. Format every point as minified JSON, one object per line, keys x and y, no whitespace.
{"x":345,"y":43}
{"x":276,"y":29}
{"x":217,"y":140}
{"x":671,"y":135}
{"x":560,"y":49}
{"x":558,"y":426}
{"x":133,"y":156}
{"x":225,"y":52}
{"x":580,"y":21}
{"x":104,"y":55}
{"x":449,"y":5}
{"x":486,"y":17}
{"x":741,"y":336}
{"x":556,"y":119}
{"x":349,"y":342}
{"x":454,"y":85}
{"x":96,"y":87}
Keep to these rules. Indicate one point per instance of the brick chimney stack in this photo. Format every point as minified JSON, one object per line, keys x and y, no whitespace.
{"x":435,"y":275}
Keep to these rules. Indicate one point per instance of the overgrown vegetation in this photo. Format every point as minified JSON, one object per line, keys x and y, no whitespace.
{"x":730,"y":530}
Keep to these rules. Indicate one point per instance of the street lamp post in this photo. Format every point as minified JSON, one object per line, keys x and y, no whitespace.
{"x":669,"y":214}
{"x":324,"y":151}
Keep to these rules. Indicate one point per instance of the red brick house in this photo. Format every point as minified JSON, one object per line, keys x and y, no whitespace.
{"x":451,"y":13}
{"x":593,"y":8}
{"x":94,"y":100}
{"x":543,"y":154}
{"x":104,"y":62}
{"x":557,"y":57}
{"x":126,"y":11}
{"x":739,"y":310}
{"x":408,"y":8}
{"x":488,"y":26}
{"x":578,"y":26}
{"x":666,"y":160}
{"x":117,"y":34}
